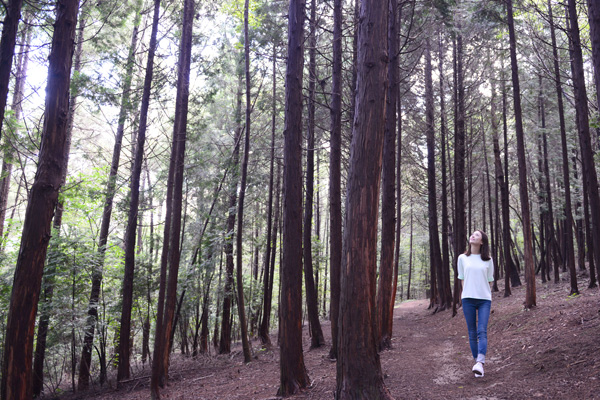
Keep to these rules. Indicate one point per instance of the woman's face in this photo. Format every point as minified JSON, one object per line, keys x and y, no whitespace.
{"x":475,"y":238}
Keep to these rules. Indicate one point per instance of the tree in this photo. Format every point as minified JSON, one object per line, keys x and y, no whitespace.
{"x":523,"y":191}
{"x":335,"y":196}
{"x":18,"y":345}
{"x":358,"y":367}
{"x":589,"y":169}
{"x":569,"y":253}
{"x":243,"y":179}
{"x":48,"y":280}
{"x":293,"y":375}
{"x":316,"y":335}
{"x":460,"y":233}
{"x":164,"y":322}
{"x":388,"y":203}
{"x":134,"y":193}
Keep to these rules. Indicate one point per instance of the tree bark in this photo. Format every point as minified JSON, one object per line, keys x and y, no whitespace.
{"x":316,"y":333}
{"x":53,"y":252}
{"x":459,"y":231}
{"x":134,"y":189}
{"x":589,"y":170}
{"x":18,"y":345}
{"x":293,"y":375}
{"x":388,"y":198}
{"x":88,"y":341}
{"x":335,"y":195}
{"x":530,"y":296}
{"x":165,"y":323}
{"x":359,"y":369}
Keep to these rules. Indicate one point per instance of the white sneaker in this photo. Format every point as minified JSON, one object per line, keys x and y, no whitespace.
{"x":478,"y":370}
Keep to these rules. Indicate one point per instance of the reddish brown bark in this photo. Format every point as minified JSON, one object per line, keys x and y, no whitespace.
{"x":18,"y":347}
{"x":388,"y":201}
{"x":293,"y":375}
{"x":358,"y":368}
{"x":335,"y":196}
{"x":165,"y":323}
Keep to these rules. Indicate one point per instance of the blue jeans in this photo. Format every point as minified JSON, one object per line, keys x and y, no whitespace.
{"x":477,"y":314}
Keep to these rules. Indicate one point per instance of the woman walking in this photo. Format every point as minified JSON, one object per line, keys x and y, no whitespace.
{"x":476,"y":271}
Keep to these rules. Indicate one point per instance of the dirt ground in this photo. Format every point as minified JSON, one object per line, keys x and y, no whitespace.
{"x":550,"y":352}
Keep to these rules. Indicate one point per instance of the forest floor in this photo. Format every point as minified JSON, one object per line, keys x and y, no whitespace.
{"x":550,"y":352}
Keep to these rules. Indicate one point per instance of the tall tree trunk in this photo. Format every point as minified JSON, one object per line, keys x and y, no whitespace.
{"x":53,"y":252}
{"x":447,"y":290}
{"x":88,"y":341}
{"x":316,"y":333}
{"x":460,"y":233}
{"x":20,"y":77}
{"x":18,"y":345}
{"x":7,"y":49}
{"x":164,"y":323}
{"x":530,"y":296}
{"x":240,"y":216}
{"x":358,"y":368}
{"x":589,"y":170}
{"x":225,"y":339}
{"x":293,"y":375}
{"x":134,"y":190}
{"x":388,"y":200}
{"x":335,"y":194}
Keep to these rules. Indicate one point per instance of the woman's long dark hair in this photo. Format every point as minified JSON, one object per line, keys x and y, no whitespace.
{"x":485,"y":247}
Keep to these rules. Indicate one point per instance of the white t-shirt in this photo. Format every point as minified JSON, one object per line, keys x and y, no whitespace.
{"x":476,"y":275}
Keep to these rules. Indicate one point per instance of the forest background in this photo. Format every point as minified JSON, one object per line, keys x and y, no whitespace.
{"x":172,"y":148}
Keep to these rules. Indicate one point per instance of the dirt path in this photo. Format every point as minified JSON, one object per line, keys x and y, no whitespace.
{"x":548,"y":353}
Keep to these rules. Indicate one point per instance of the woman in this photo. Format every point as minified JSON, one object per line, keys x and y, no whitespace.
{"x":476,"y":270}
